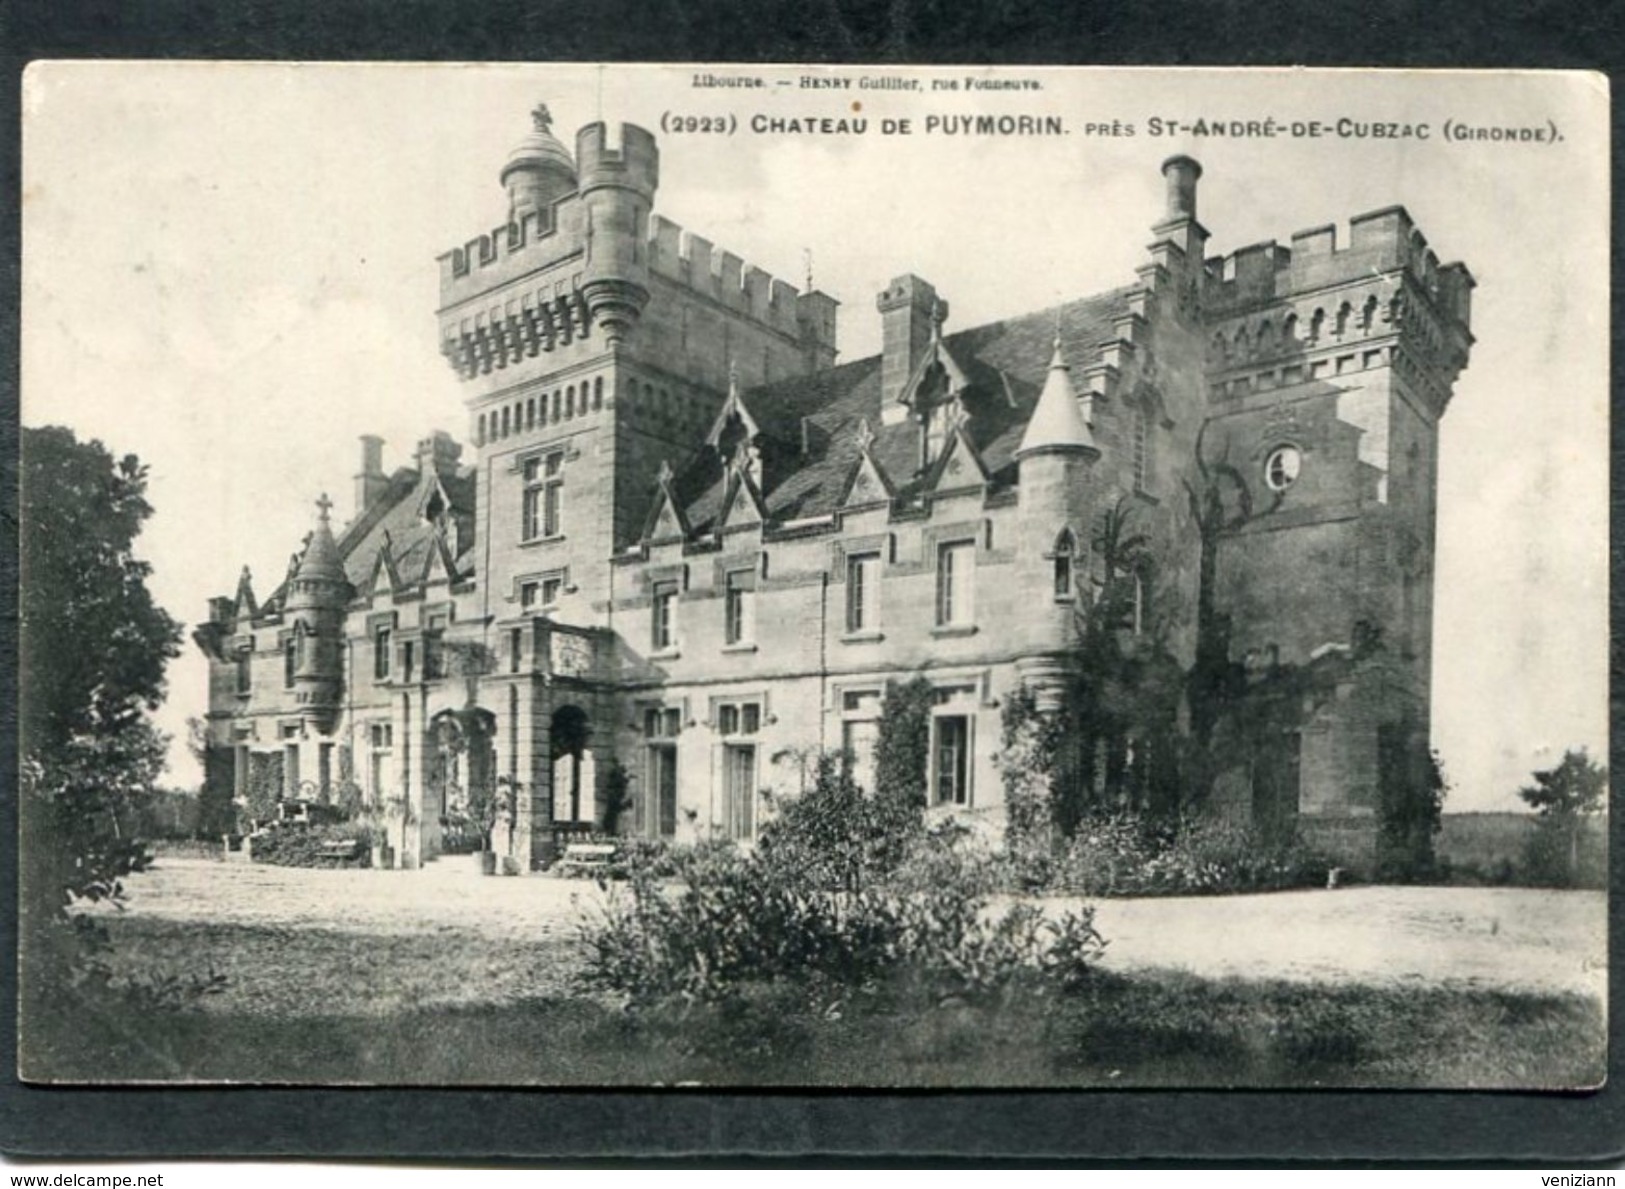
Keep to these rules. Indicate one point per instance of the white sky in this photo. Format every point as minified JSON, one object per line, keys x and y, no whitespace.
{"x":230,"y":271}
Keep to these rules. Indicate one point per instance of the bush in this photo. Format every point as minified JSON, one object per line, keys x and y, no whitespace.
{"x":738,"y":921}
{"x":835,"y":835}
{"x":1123,"y":855}
{"x":301,"y":846}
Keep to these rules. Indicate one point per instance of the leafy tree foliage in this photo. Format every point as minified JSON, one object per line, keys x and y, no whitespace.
{"x":1564,"y":797}
{"x":903,"y":744}
{"x":1574,"y":788}
{"x":93,"y":650}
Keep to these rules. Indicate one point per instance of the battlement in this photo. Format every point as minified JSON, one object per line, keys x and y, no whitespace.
{"x":633,"y":163}
{"x":1379,"y":242}
{"x":697,"y":264}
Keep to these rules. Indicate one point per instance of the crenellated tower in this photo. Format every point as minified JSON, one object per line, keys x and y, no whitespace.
{"x":1328,"y":368}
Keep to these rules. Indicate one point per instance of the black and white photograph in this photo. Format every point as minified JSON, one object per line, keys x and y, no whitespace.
{"x":843,"y":576}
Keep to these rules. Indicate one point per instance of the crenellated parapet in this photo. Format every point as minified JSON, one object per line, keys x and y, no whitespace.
{"x":581,"y":265}
{"x":1380,"y":242}
{"x":695,"y":263}
{"x":1276,"y":315}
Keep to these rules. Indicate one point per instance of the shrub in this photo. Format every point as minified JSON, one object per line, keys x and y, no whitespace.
{"x":295,"y":846}
{"x":835,"y":835}
{"x":1123,"y":855}
{"x":738,"y":921}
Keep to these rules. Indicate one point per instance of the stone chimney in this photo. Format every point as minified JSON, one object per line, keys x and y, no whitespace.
{"x":370,"y":481}
{"x":438,"y":454}
{"x":907,"y":308}
{"x":1182,"y":174}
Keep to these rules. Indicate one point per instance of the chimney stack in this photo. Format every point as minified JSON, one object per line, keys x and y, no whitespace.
{"x":1182,"y":174}
{"x":907,"y":308}
{"x":371,"y":481}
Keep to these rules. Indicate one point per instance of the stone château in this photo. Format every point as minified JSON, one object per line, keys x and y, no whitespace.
{"x":686,"y":545}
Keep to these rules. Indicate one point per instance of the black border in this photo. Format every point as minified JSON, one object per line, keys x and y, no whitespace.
{"x":486,"y":1127}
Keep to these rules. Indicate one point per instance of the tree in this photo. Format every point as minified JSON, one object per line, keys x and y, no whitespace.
{"x":93,"y":650}
{"x":1564,"y":797}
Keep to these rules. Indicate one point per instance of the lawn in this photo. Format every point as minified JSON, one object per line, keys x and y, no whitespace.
{"x":359,"y":977}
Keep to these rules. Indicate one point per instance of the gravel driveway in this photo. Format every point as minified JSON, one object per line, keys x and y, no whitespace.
{"x":1487,"y":937}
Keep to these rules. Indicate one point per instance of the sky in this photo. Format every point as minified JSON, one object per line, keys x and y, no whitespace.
{"x":229,"y":270}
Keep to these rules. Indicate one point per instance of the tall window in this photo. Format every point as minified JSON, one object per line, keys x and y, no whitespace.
{"x":381,"y":767}
{"x":738,"y":724}
{"x":380,"y":654}
{"x":663,"y":618}
{"x":245,"y":660}
{"x":863,"y":592}
{"x":290,"y":659}
{"x":739,"y":607}
{"x":408,"y":659}
{"x":956,"y":584}
{"x":860,"y":731}
{"x":1063,"y":565}
{"x":951,"y":753}
{"x":544,"y":496}
{"x":660,"y":727}
{"x":434,"y":649}
{"x":1139,"y":446}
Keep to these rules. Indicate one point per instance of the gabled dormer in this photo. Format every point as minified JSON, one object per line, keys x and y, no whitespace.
{"x":867,"y":484}
{"x":666,"y":521}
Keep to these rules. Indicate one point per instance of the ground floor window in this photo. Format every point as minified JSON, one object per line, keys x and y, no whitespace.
{"x":381,"y":767}
{"x":660,"y":727}
{"x":951,"y":759}
{"x":660,"y":814}
{"x":860,"y":731}
{"x":738,"y":789}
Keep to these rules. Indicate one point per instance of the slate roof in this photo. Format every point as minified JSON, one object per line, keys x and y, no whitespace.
{"x":1006,"y":363}
{"x":411,"y":539}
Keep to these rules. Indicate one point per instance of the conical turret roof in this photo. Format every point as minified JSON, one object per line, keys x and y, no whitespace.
{"x":318,"y":579}
{"x":1057,"y":423}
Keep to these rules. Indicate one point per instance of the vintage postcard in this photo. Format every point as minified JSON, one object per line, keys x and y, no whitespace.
{"x":858,"y":576}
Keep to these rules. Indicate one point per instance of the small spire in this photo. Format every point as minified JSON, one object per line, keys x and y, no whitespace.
{"x":323,"y":507}
{"x":665,"y":473}
{"x":865,"y":435}
{"x":541,"y":118}
{"x":1057,"y":422}
{"x":733,"y":379}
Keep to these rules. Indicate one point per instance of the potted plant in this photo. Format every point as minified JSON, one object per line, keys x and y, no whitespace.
{"x":507,"y":815}
{"x":482,"y":807}
{"x":377,"y":836}
{"x":401,"y":817}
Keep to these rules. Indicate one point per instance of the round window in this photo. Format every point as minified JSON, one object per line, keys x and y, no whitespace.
{"x":1282,"y":466}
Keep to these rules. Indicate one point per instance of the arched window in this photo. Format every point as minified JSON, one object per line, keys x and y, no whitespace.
{"x":504,"y":421}
{"x":598,"y":393}
{"x":558,"y":404}
{"x":530,"y":413}
{"x":1065,"y":547}
{"x":570,"y":402}
{"x":479,"y":431}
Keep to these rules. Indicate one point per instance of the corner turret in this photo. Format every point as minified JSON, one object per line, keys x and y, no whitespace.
{"x":1056,"y":456}
{"x":618,"y":187}
{"x":539,"y":171}
{"x":318,"y":593}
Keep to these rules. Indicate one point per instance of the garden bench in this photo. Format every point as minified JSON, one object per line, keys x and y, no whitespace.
{"x":341,"y":849}
{"x":588,"y":858}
